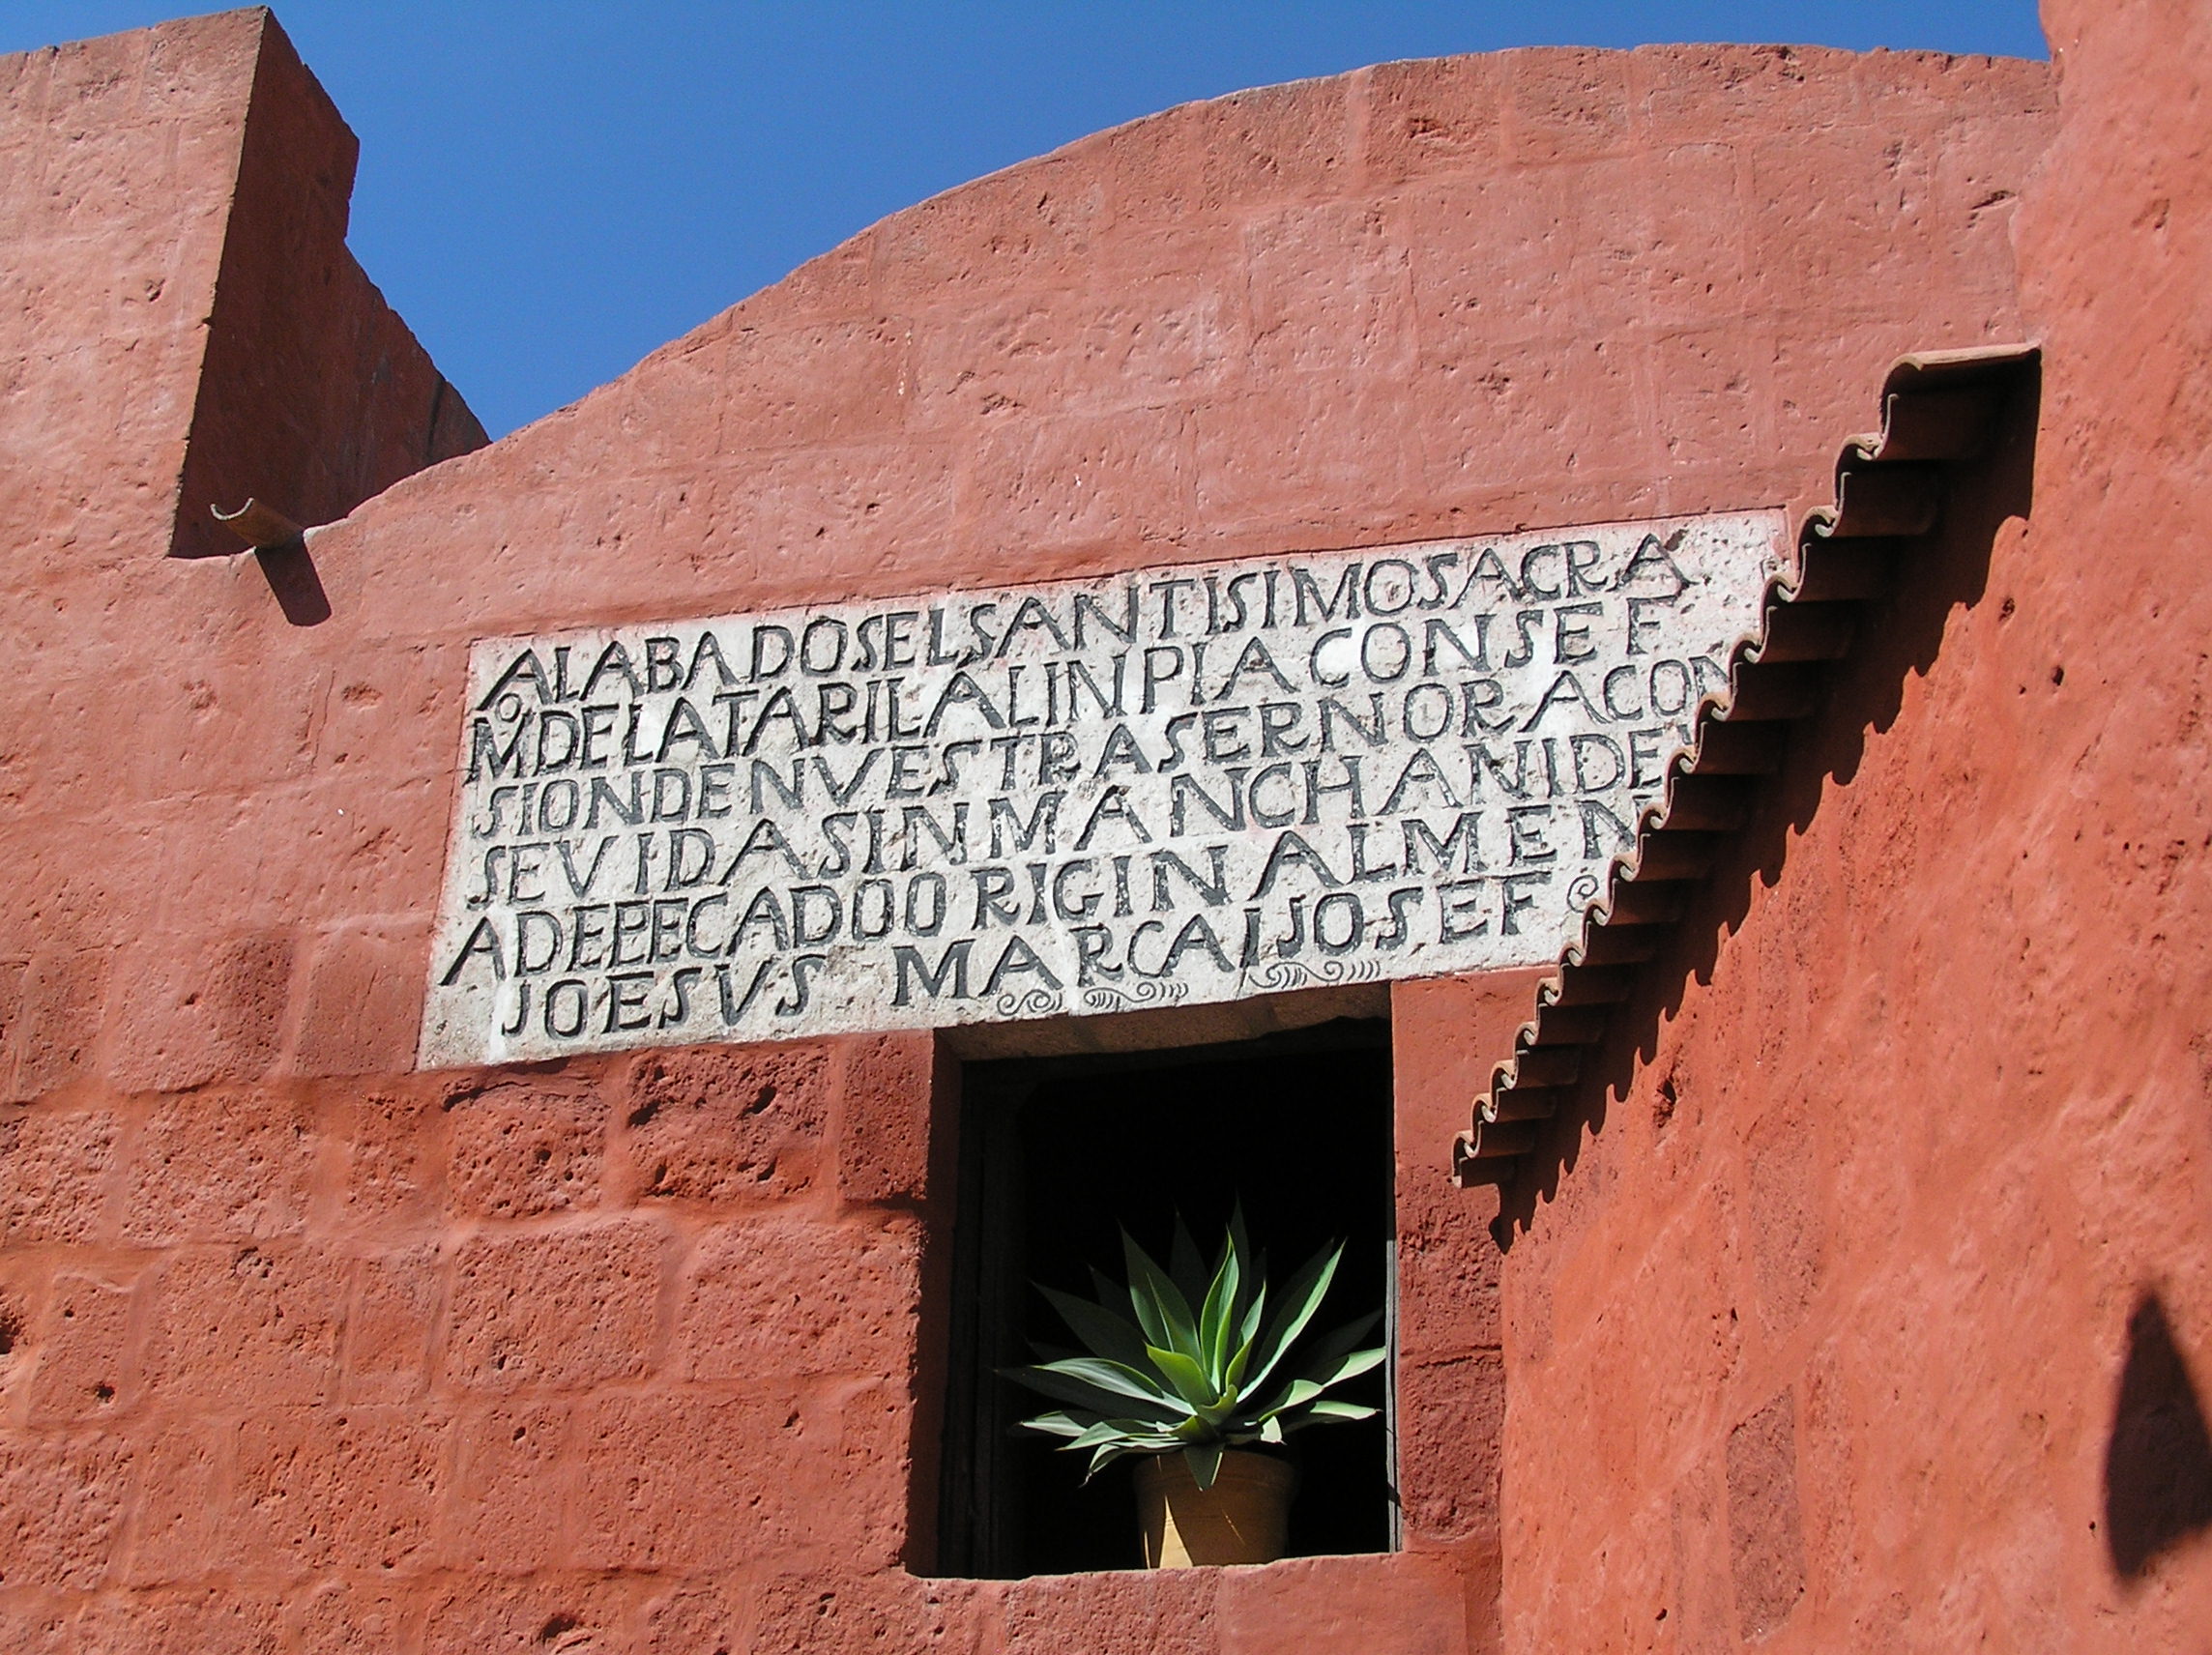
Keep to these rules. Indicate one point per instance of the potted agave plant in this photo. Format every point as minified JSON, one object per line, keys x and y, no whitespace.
{"x":1197,"y":1374}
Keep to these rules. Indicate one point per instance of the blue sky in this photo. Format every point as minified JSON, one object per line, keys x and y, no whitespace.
{"x":550,"y":190}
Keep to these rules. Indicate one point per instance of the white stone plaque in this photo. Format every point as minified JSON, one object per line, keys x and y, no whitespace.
{"x":1168,"y":787}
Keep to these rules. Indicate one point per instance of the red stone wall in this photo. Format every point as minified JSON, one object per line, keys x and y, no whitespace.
{"x":627,"y":1353}
{"x":1853,"y":1327}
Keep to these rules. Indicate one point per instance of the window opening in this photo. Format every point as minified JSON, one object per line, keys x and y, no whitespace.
{"x":1057,"y":1155}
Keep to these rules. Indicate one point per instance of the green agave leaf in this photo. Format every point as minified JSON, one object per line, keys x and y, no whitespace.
{"x":1329,"y":1365}
{"x":1329,"y":1408}
{"x":1162,"y":1312}
{"x":1130,"y":1432}
{"x":1187,"y":1376}
{"x":1296,"y":1394}
{"x":1205,"y":1462}
{"x":1187,"y":1265}
{"x":1329,"y":1412}
{"x":1328,"y":1349}
{"x":1108,"y":1335}
{"x":1336,"y":1370}
{"x":1104,"y":1456}
{"x":1056,"y":1425}
{"x":1247,"y":1340}
{"x":1241,"y":1243}
{"x":1217,"y":1321}
{"x":1104,"y":1387}
{"x":1117,"y":1377}
{"x":1271,"y":1430}
{"x":1300,"y":1299}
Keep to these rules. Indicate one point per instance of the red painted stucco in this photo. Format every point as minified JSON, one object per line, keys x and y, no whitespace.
{"x":307,"y":1351}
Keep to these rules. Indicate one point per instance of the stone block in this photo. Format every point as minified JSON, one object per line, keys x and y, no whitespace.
{"x":390,"y":1324}
{"x":890,"y":502}
{"x":180,"y":1533}
{"x":781,"y":1295}
{"x":1841,"y":213}
{"x":350,"y":1616}
{"x":1434,"y":116}
{"x":513,"y":1483}
{"x":852,"y":1447}
{"x":1451,"y":1425}
{"x":1153,"y":336}
{"x":1157,"y":1612}
{"x":323,"y":1488}
{"x":1258,"y":460}
{"x":1707,"y":407}
{"x":226,"y":731}
{"x":363,"y":1000}
{"x":1489,"y":258}
{"x":886,"y":1103}
{"x":1330,"y":291}
{"x":57,"y":1022}
{"x":61,"y":1511}
{"x":1069,"y":484}
{"x":37,"y":1622}
{"x":859,"y":374}
{"x":1671,"y":252}
{"x":395,"y":1150}
{"x":54,"y":1166}
{"x":695,"y":1616}
{"x":247,"y":1327}
{"x":12,"y":973}
{"x":523,"y":1148}
{"x":990,"y":236}
{"x":728,"y":1125}
{"x":1203,"y":162}
{"x":1447,"y":1265}
{"x":1567,"y":105}
{"x":83,"y":1351}
{"x":840,"y":1613}
{"x":570,"y":1308}
{"x":220,"y":1167}
{"x":204,"y":1622}
{"x":544,"y":1615}
{"x":1539,"y":407}
{"x":1766,"y":1536}
{"x":1785,"y":1215}
{"x":1409,"y":1603}
{"x":689,"y":1481}
{"x":22,"y":1287}
{"x":205,"y":1010}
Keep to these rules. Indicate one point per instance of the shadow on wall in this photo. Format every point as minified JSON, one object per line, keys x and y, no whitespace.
{"x":1897,"y":639}
{"x":2157,"y":1466}
{"x":291,"y":575}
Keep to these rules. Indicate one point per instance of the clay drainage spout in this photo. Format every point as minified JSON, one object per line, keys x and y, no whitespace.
{"x":261,"y":527}
{"x":280,"y":546}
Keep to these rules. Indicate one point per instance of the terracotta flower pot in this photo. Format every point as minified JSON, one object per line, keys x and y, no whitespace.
{"x":1240,"y":1520}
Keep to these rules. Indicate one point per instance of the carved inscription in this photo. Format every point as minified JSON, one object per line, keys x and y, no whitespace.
{"x":1173,"y":786}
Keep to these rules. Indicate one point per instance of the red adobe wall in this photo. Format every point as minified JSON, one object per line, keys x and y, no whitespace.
{"x":1853,"y":1327}
{"x":308,"y":1351}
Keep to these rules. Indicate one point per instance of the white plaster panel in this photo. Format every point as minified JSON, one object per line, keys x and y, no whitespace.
{"x":1169,"y":787}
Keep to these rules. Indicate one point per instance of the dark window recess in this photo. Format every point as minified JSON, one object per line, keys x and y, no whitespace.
{"x":1057,"y":1154}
